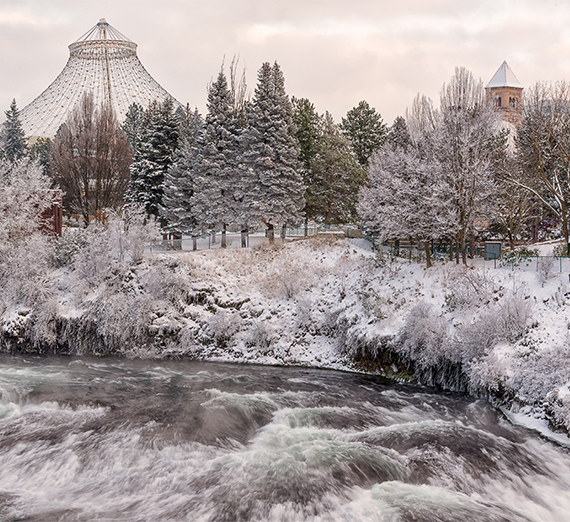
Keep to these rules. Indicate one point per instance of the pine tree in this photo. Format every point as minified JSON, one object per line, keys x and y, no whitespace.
{"x":309,"y":134}
{"x":13,"y":141}
{"x":133,"y":124}
{"x":398,"y":134}
{"x":364,"y":127}
{"x":40,"y":151}
{"x":273,"y":187}
{"x":179,"y":183}
{"x":214,"y":203}
{"x":153,"y":156}
{"x":337,"y":177}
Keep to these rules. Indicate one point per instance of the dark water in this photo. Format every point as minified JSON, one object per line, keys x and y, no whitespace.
{"x":118,"y":440}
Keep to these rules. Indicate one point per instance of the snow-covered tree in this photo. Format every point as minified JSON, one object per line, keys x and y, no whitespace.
{"x":403,"y":197}
{"x":13,"y":142}
{"x":25,"y":193}
{"x":272,"y":185}
{"x":337,"y":176}
{"x":153,"y":156}
{"x":398,"y":134}
{"x":39,"y":150}
{"x":90,"y":160}
{"x":216,"y":200}
{"x":179,"y":183}
{"x":133,"y":124}
{"x":364,"y":127}
{"x":544,"y":150}
{"x":466,"y":148}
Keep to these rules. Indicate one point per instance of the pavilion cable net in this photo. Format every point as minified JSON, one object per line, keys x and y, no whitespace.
{"x":103,"y":61}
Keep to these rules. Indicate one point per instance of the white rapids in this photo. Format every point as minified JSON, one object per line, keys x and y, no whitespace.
{"x":116,"y":440}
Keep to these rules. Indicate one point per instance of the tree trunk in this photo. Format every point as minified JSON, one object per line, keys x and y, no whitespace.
{"x":270,"y":232}
{"x":224,"y":243}
{"x":283,"y":232}
{"x":306,"y":233}
{"x":457,"y":249}
{"x":396,"y":248}
{"x":213,"y":237}
{"x":428,"y":254}
{"x":194,"y":244}
{"x":244,"y":237}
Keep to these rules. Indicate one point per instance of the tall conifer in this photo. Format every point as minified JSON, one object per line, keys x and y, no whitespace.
{"x":13,"y":141}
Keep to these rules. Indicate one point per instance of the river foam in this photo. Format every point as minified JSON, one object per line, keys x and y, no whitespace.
{"x":117,"y":440}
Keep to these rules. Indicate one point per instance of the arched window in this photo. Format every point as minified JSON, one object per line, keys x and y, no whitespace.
{"x":499,"y":101}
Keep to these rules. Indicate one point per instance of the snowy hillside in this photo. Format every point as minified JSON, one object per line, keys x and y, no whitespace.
{"x":489,"y":331}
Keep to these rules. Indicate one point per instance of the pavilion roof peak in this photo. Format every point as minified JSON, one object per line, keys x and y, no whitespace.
{"x":103,"y":30}
{"x":504,"y":77}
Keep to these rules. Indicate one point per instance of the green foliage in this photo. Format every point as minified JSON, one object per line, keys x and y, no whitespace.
{"x":40,"y":151}
{"x":561,"y":250}
{"x":518,"y":256}
{"x":399,"y":135}
{"x":366,"y":131}
{"x":133,"y":125}
{"x":12,"y":138}
{"x":153,"y":156}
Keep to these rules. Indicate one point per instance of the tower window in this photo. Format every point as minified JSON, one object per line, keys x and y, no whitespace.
{"x":499,"y":101}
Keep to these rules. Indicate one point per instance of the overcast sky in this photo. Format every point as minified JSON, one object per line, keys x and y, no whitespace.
{"x":334,"y":52}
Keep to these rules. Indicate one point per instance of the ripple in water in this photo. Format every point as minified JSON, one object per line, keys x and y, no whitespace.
{"x":115,"y":440}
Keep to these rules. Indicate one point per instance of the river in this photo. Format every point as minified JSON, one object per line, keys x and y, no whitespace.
{"x":86,"y":439}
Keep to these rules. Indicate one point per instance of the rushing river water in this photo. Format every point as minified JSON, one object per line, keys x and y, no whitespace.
{"x":119,"y":440}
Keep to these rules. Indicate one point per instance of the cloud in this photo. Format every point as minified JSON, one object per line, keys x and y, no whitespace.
{"x":335,"y":52}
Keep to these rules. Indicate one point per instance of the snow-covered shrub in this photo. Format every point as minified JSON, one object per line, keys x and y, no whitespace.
{"x":423,"y":338}
{"x":260,"y":335}
{"x":546,"y":269}
{"x":287,"y":275}
{"x":24,"y":250}
{"x":467,"y":288}
{"x":67,"y":246}
{"x":518,"y":256}
{"x":535,"y":375}
{"x":223,"y":325}
{"x":165,"y":279}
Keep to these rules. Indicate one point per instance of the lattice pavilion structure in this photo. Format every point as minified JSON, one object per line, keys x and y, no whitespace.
{"x":103,"y":61}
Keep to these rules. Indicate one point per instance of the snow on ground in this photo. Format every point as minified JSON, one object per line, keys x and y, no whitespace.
{"x":317,"y":302}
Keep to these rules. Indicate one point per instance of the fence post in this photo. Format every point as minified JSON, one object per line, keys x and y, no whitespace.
{"x":537,"y":263}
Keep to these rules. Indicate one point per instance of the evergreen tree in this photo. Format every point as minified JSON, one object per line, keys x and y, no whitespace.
{"x":13,"y":142}
{"x":337,"y":177}
{"x":133,"y":124}
{"x":399,"y":134}
{"x":364,"y":127}
{"x":179,"y":183}
{"x":309,"y":133}
{"x":272,"y":186}
{"x":215,"y":202}
{"x":153,"y":156}
{"x":40,"y":151}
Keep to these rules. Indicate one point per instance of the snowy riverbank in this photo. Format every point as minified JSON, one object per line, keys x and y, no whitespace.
{"x":494,"y":332}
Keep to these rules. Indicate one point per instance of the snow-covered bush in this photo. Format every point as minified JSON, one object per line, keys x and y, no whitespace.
{"x":423,"y":338}
{"x":546,"y":269}
{"x":467,"y":288}
{"x":223,"y":325}
{"x":24,"y":252}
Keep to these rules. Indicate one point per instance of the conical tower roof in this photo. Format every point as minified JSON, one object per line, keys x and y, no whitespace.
{"x":103,"y":61}
{"x":504,"y":77}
